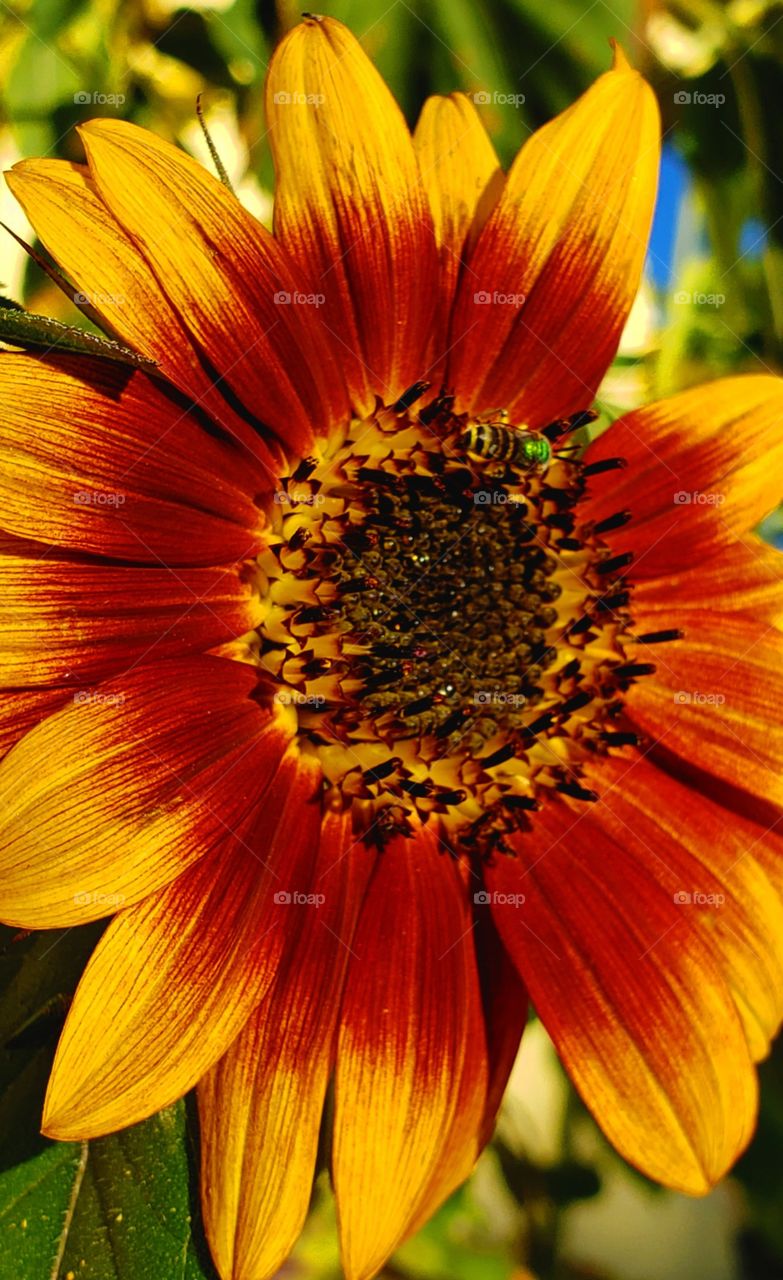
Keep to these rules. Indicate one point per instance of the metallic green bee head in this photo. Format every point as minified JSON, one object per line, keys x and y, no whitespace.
{"x":535,"y":451}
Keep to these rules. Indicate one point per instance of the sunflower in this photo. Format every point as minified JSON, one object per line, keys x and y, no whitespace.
{"x":367,"y":706}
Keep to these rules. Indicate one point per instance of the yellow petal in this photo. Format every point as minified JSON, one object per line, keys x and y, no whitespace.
{"x":702,"y":470}
{"x":696,"y":849}
{"x":232,"y":284}
{"x":539,"y":311}
{"x":630,"y":993}
{"x":174,"y":979}
{"x":260,"y":1106}
{"x":716,"y":699}
{"x":350,"y":206}
{"x":463,"y":180}
{"x":111,"y":797}
{"x":411,"y":1065}
{"x":114,"y":278}
{"x":95,"y":459}
{"x":63,"y":620}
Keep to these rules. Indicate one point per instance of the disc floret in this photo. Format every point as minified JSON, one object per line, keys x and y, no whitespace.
{"x":452,"y":636}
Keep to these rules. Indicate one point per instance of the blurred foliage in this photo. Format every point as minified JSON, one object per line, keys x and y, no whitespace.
{"x":718,"y":69}
{"x":715,"y":307}
{"x":156,"y":56}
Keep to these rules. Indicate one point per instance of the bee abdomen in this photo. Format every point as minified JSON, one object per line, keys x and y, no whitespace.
{"x":526,"y":450}
{"x":490,"y":440}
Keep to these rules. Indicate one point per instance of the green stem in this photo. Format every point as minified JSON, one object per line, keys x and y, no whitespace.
{"x":753,"y":130}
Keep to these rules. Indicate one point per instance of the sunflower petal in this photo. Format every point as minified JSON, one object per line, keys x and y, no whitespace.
{"x":174,"y":979}
{"x":62,"y":620}
{"x":411,"y":1051}
{"x":713,"y":869}
{"x":22,"y":709}
{"x":549,"y":286}
{"x":749,"y":580}
{"x":630,"y":995}
{"x":350,"y":204}
{"x":98,"y":460}
{"x":505,"y":1008}
{"x":463,"y":180}
{"x":717,"y":699}
{"x":260,"y":1106}
{"x":110,"y":272}
{"x":143,"y":776}
{"x":228,"y":279}
{"x":702,"y":471}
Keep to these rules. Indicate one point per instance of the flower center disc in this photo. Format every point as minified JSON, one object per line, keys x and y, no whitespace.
{"x":450,"y":637}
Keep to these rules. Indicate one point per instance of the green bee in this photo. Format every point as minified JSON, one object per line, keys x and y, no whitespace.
{"x":501,"y":441}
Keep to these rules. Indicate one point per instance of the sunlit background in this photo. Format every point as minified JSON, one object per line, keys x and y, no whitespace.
{"x":549,"y":1199}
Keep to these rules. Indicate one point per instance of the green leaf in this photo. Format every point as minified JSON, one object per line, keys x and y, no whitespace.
{"x":131,"y":1218}
{"x":116,"y":1208}
{"x":38,"y":973}
{"x":122,"y":1207}
{"x":34,"y":1199}
{"x":21,"y":329}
